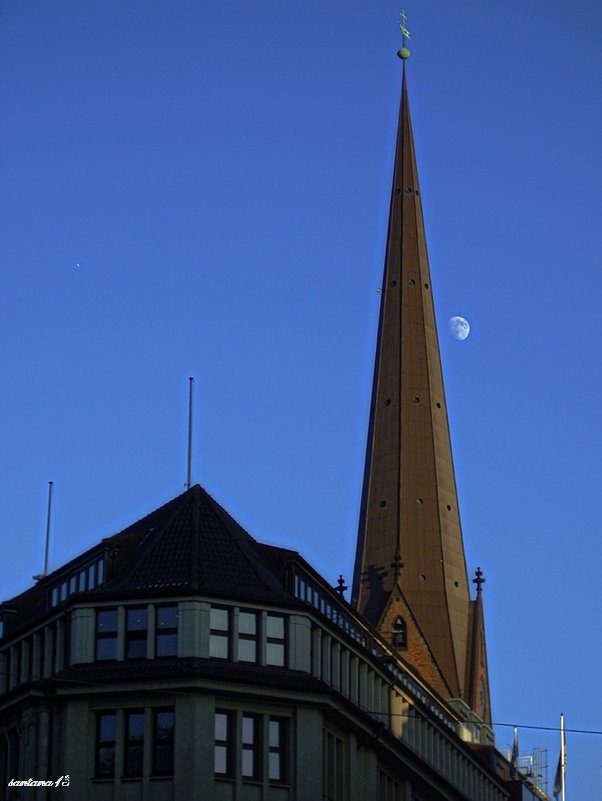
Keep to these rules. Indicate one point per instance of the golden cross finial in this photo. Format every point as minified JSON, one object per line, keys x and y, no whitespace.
{"x":404,"y":31}
{"x":403,"y":51}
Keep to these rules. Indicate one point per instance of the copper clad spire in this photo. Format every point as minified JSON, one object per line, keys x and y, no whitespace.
{"x":409,"y":502}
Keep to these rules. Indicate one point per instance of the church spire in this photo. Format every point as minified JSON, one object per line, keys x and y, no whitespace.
{"x":409,"y":513}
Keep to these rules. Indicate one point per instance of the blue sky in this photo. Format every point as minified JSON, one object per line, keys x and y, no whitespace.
{"x":220,"y":172}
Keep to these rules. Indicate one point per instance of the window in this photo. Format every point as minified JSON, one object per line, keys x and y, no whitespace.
{"x":223,"y":743}
{"x":219,"y":625}
{"x":250,"y":747}
{"x":166,"y":631}
{"x":84,"y":578}
{"x":334,"y":775}
{"x":163,"y":742}
{"x":247,"y":637}
{"x":399,"y":636}
{"x":106,"y":634}
{"x":388,"y":788}
{"x":136,"y":633}
{"x":134,"y":743}
{"x":105,"y":744}
{"x":275,"y":644}
{"x":277,"y":750}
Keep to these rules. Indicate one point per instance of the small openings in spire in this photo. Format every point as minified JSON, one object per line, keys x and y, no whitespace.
{"x":456,"y":584}
{"x":415,"y":399}
{"x":383,"y":504}
{"x":448,"y":508}
{"x":388,"y":402}
{"x":422,"y":577}
{"x":412,"y":282}
{"x":393,"y":283}
{"x":419,"y":501}
{"x":417,"y":193}
{"x":426,"y":286}
{"x":409,"y":190}
{"x":438,"y":405}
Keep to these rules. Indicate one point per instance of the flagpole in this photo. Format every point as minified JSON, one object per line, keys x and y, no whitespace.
{"x":562,"y":757}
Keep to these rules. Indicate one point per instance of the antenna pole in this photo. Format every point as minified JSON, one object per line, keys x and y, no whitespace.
{"x":48,"y":518}
{"x":189,"y":461}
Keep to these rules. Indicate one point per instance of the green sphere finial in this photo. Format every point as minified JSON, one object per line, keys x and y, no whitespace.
{"x":404,"y":52}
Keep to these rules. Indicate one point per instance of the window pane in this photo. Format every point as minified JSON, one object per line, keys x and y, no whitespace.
{"x":167,"y":645}
{"x":221,"y":759}
{"x":91,"y":577}
{"x":274,"y":733}
{"x":247,"y":623}
{"x":219,"y":619}
{"x":218,"y":646}
{"x":135,"y":725}
{"x":275,"y":627}
{"x":100,"y":569}
{"x":106,"y":727}
{"x":106,"y":760}
{"x":247,"y":651}
{"x":248,"y":763}
{"x":136,"y":649}
{"x":165,"y":724}
{"x":72,"y":585}
{"x":248,"y":729}
{"x":81,"y":585}
{"x":106,"y":620}
{"x":167,"y":617}
{"x":274,"y":654}
{"x":275,"y":767}
{"x":137,"y":619}
{"x":106,"y":648}
{"x":221,"y":726}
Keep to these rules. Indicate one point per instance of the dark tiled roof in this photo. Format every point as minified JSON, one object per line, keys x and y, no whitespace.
{"x":199,"y":548}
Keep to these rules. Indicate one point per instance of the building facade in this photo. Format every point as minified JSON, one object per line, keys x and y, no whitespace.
{"x":181,"y":660}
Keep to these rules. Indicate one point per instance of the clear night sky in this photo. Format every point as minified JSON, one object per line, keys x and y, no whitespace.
{"x":220,"y":172}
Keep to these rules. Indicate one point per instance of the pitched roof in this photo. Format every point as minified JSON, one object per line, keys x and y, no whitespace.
{"x":195,"y":546}
{"x":190,"y":544}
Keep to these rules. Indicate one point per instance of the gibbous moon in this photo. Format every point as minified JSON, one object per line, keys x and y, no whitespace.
{"x":459,"y":327}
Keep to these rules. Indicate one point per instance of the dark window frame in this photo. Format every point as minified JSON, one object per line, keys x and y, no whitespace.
{"x":275,"y":641}
{"x":105,"y":635}
{"x":224,"y":745}
{"x":133,"y":763}
{"x":243,"y":638}
{"x":217,"y":636}
{"x":105,"y":743}
{"x":162,"y":633}
{"x":136,"y":637}
{"x":163,"y":743}
{"x":251,"y":747}
{"x":279,"y":749}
